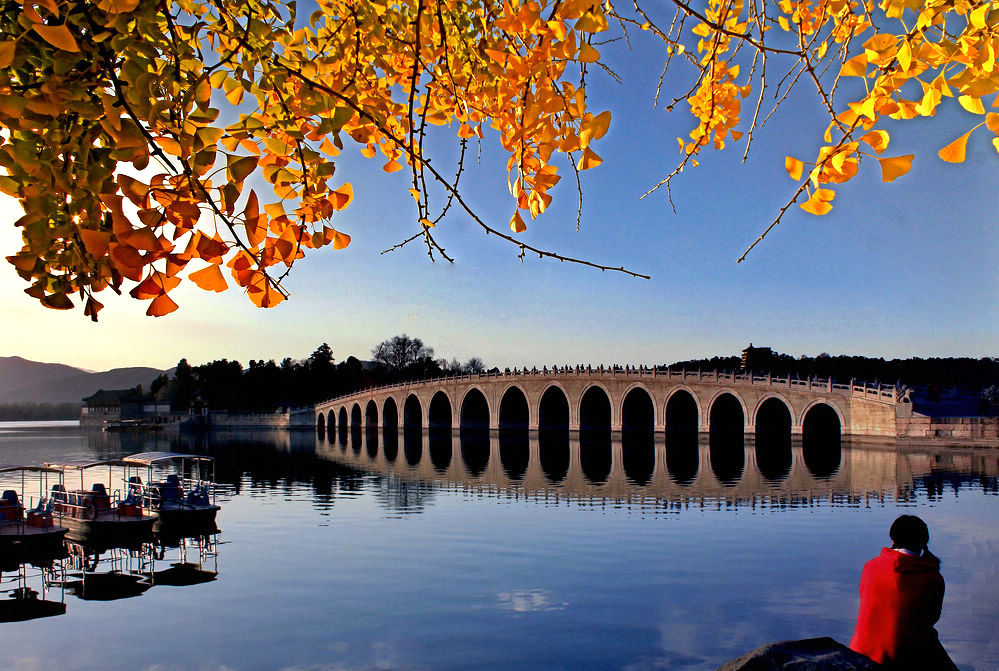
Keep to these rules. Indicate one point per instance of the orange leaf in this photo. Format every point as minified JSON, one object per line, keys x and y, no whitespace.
{"x":816,"y":206}
{"x":57,"y":302}
{"x":895,"y":167}
{"x":343,"y":196}
{"x":878,"y":139}
{"x":161,"y":305}
{"x":955,"y":151}
{"x":175,"y":263}
{"x":211,"y":249}
{"x":588,"y":160}
{"x":128,"y":261}
{"x":92,"y":308}
{"x":239,"y":167}
{"x":517,"y":224}
{"x":392,"y":166}
{"x":7,"y":53}
{"x":793,"y":167}
{"x":261,"y":292}
{"x":209,"y":279}
{"x":340,"y":240}
{"x":587,"y":54}
{"x":58,"y":36}
{"x":135,"y":190}
{"x":855,"y":67}
{"x":96,"y":242}
{"x":154,"y":285}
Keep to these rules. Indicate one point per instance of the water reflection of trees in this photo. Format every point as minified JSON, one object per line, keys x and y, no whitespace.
{"x":402,"y":496}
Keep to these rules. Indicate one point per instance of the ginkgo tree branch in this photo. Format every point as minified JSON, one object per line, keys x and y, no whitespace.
{"x":414,"y":156}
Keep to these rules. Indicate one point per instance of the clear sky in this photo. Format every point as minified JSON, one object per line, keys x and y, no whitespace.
{"x":896,"y":270}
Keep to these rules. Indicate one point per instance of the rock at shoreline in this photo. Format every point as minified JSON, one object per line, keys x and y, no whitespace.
{"x":810,"y":654}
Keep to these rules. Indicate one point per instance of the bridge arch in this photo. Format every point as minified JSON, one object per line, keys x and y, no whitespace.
{"x":355,"y":416}
{"x":412,"y":413}
{"x":440,"y":413}
{"x":390,"y":414}
{"x":765,"y":399}
{"x":321,"y":424}
{"x":554,"y":409}
{"x":331,"y":420}
{"x":773,"y":422}
{"x":721,"y":411}
{"x":371,"y":415}
{"x":821,"y":436}
{"x":342,"y":418}
{"x":682,"y":410}
{"x":595,"y":409}
{"x":822,"y":402}
{"x":475,"y":411}
{"x":635,"y":414}
{"x":514,"y":409}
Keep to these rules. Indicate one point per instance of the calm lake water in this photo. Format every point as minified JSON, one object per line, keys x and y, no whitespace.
{"x":439,"y":552}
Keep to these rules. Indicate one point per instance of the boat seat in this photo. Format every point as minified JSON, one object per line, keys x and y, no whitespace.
{"x":101,"y":498}
{"x":9,"y":498}
{"x":170,"y":491}
{"x":59,"y":494}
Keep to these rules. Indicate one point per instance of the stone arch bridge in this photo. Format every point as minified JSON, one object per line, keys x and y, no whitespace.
{"x":622,"y":399}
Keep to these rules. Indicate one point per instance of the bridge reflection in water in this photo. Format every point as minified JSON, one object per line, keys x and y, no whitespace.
{"x":678,"y":466}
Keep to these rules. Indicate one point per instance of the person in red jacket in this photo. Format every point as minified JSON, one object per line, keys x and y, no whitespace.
{"x":901,"y":593}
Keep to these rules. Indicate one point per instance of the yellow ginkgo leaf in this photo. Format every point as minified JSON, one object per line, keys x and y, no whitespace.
{"x":426,"y":223}
{"x":58,"y":36}
{"x":588,"y":160}
{"x":517,"y":224}
{"x":894,"y":167}
{"x":587,"y":54}
{"x":878,"y":139}
{"x":992,"y":121}
{"x":955,"y":151}
{"x":855,"y":67}
{"x":816,"y":206}
{"x":973,"y":105}
{"x":392,"y":166}
{"x":793,"y":167}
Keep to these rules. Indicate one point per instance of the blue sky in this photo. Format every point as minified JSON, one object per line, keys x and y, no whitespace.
{"x":896,"y":270}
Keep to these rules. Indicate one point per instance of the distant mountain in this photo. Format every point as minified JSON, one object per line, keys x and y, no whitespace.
{"x":24,"y":381}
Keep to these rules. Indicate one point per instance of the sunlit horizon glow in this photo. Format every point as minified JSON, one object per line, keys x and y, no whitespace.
{"x":896,"y":270}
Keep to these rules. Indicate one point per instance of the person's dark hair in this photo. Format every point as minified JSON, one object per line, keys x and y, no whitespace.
{"x":909,"y":532}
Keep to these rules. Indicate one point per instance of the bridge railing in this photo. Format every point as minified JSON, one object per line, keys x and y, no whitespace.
{"x":877,"y":391}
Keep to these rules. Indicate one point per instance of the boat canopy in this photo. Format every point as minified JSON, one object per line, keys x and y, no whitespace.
{"x":150,"y":458}
{"x":78,"y":464}
{"x":12,"y":468}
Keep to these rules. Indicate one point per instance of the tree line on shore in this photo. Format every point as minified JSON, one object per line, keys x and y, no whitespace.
{"x":265,"y":385}
{"x":914,"y":371}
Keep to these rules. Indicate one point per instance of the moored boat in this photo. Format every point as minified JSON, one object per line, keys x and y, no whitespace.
{"x":28,"y":531}
{"x":178,"y":489}
{"x":94,"y":514}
